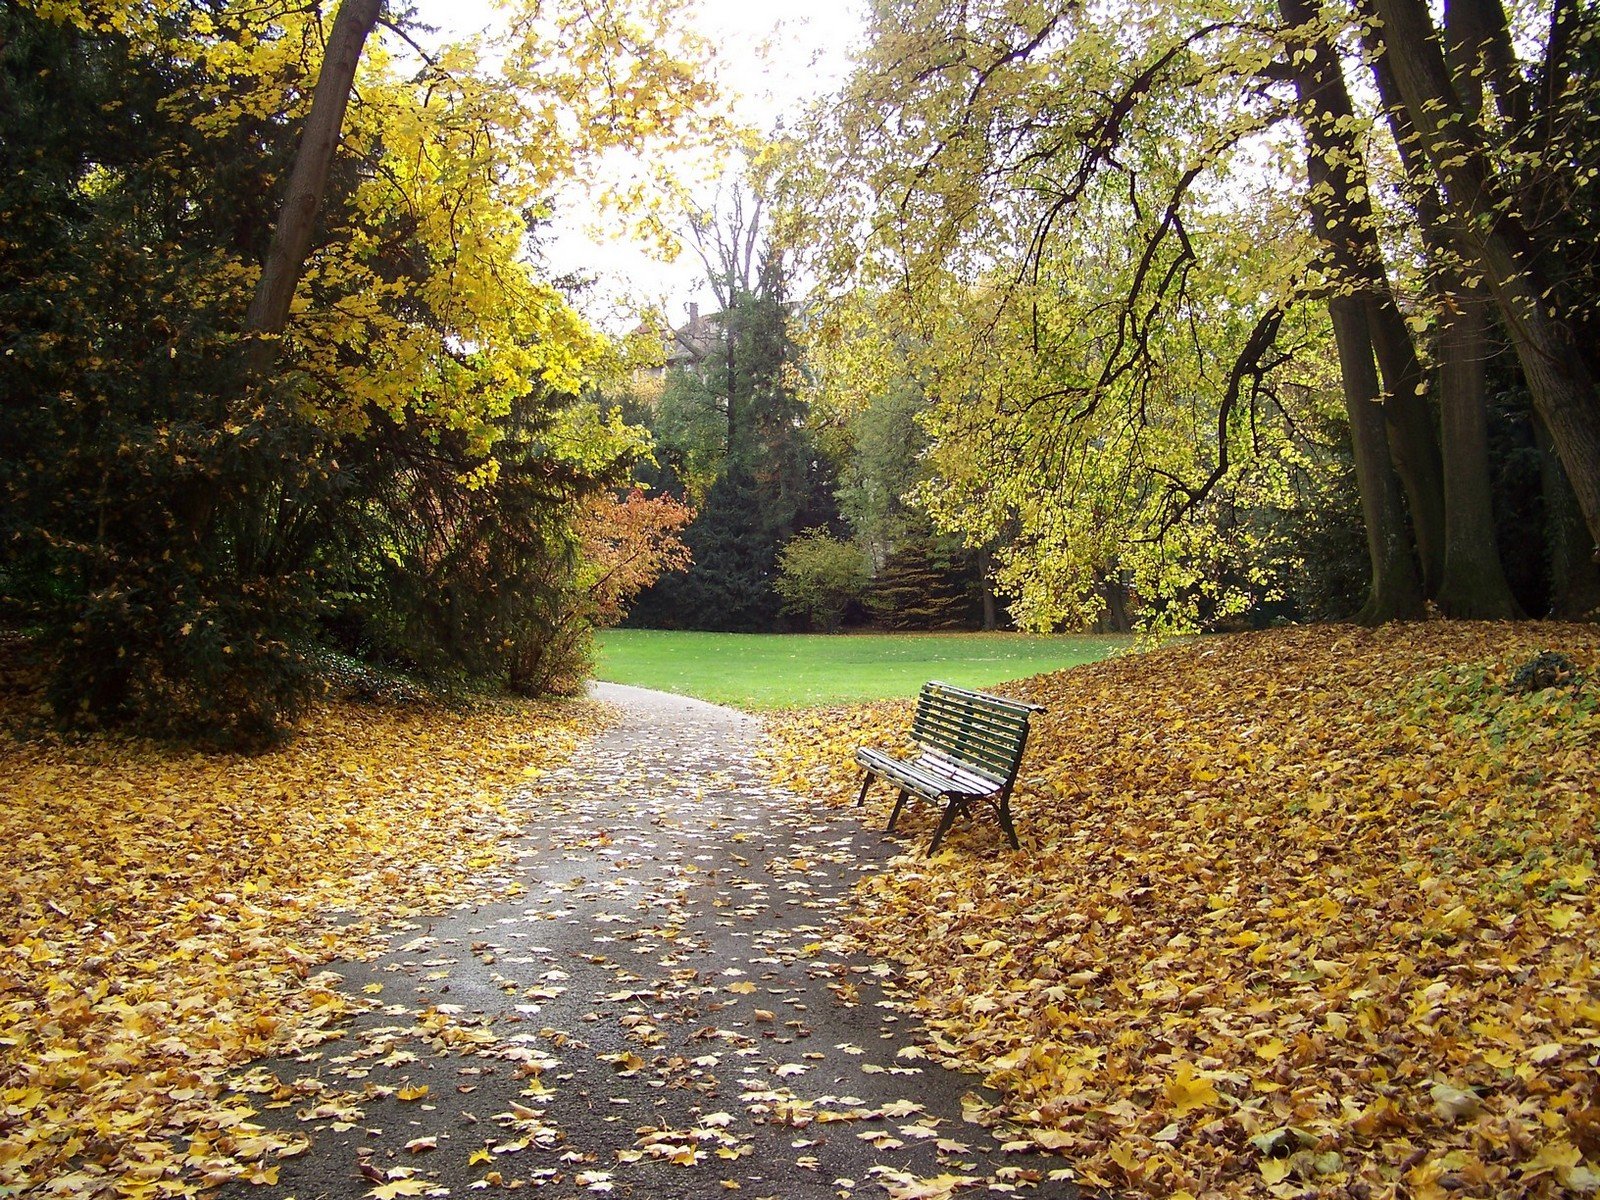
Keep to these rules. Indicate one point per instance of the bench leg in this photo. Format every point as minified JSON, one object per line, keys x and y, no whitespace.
{"x":900,"y":802}
{"x":950,"y":810}
{"x":866,"y":782}
{"x":1004,"y":811}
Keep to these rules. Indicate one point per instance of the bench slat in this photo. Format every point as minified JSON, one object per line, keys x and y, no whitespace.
{"x":982,"y":699}
{"x":932,"y":772}
{"x":951,"y":710}
{"x":998,"y":745}
{"x":978,"y":701}
{"x":1000,"y":722}
{"x":997,"y":763}
{"x":964,"y":775}
{"x":989,"y":716}
{"x":922,"y":777}
{"x":992,"y":718}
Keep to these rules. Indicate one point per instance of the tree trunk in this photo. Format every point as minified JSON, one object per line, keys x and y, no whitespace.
{"x":291,"y":238}
{"x":731,"y":362}
{"x":1114,"y":616}
{"x":1574,"y":573}
{"x":1473,"y":584}
{"x":268,"y":313}
{"x":1480,"y":32}
{"x":1563,"y":391}
{"x":1396,"y":592}
{"x":1413,"y":441}
{"x":990,"y":609}
{"x":1345,"y":224}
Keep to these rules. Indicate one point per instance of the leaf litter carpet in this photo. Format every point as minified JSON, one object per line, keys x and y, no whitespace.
{"x":165,"y":913}
{"x":663,"y":1005}
{"x":1309,"y":912}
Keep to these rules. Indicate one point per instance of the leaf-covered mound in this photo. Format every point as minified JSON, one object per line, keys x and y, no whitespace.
{"x":1301,"y":912}
{"x":166,"y":911}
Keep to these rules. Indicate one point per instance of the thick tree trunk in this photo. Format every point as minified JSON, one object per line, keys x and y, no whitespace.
{"x":1413,"y":441}
{"x":1396,"y":592}
{"x":291,"y":238}
{"x":1480,"y":32}
{"x":1474,"y":585}
{"x":1574,"y":573}
{"x":1344,"y":221}
{"x":1564,"y":393}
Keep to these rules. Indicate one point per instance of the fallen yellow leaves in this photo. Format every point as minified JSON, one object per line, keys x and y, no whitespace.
{"x":1188,"y":1090}
{"x":1301,"y":911}
{"x":167,"y":911}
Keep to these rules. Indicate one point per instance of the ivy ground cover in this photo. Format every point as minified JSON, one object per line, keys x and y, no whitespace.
{"x":1308,"y":912}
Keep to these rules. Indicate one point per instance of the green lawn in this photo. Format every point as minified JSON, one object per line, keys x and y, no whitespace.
{"x":753,"y":670}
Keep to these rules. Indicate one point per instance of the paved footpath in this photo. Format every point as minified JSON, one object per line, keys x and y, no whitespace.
{"x":665,"y":1007}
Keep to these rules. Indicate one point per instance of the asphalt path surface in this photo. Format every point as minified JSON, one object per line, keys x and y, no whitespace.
{"x":665,"y":1005}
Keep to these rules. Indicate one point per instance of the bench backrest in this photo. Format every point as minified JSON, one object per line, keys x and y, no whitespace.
{"x":986,"y":733}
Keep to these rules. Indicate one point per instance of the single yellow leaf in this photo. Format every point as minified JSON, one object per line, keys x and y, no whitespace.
{"x":1271,"y":1049}
{"x":1188,"y":1091}
{"x":1275,"y":1170}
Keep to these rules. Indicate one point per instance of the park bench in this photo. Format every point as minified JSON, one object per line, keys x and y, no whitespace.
{"x":970,"y":745}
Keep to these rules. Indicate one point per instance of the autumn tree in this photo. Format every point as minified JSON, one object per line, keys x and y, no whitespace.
{"x":1066,"y":297}
{"x":820,"y":576}
{"x":625,"y":544}
{"x":1105,"y":234}
{"x":1397,"y":459}
{"x":308,"y":180}
{"x":189,"y":544}
{"x":731,"y":428}
{"x":1493,"y":165}
{"x":870,"y":423}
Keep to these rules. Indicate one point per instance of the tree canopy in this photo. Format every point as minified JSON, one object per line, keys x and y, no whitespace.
{"x":1135,"y":313}
{"x":1141,"y":258}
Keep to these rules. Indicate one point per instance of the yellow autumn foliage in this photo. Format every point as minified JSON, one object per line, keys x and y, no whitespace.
{"x":1303,"y":912}
{"x":168,"y":910}
{"x":422,"y":300}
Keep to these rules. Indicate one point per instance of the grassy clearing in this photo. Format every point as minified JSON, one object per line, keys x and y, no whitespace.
{"x":775,"y":671}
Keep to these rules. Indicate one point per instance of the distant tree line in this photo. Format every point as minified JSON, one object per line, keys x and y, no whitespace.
{"x":800,"y":525}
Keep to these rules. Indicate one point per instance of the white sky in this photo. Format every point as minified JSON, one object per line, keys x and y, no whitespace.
{"x":773,"y":58}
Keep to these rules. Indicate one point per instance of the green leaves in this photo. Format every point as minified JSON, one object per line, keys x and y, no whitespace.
{"x":1081,"y":251}
{"x":407,"y":481}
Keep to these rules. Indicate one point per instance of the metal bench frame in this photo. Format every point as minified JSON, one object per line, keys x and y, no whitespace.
{"x":971,"y":746}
